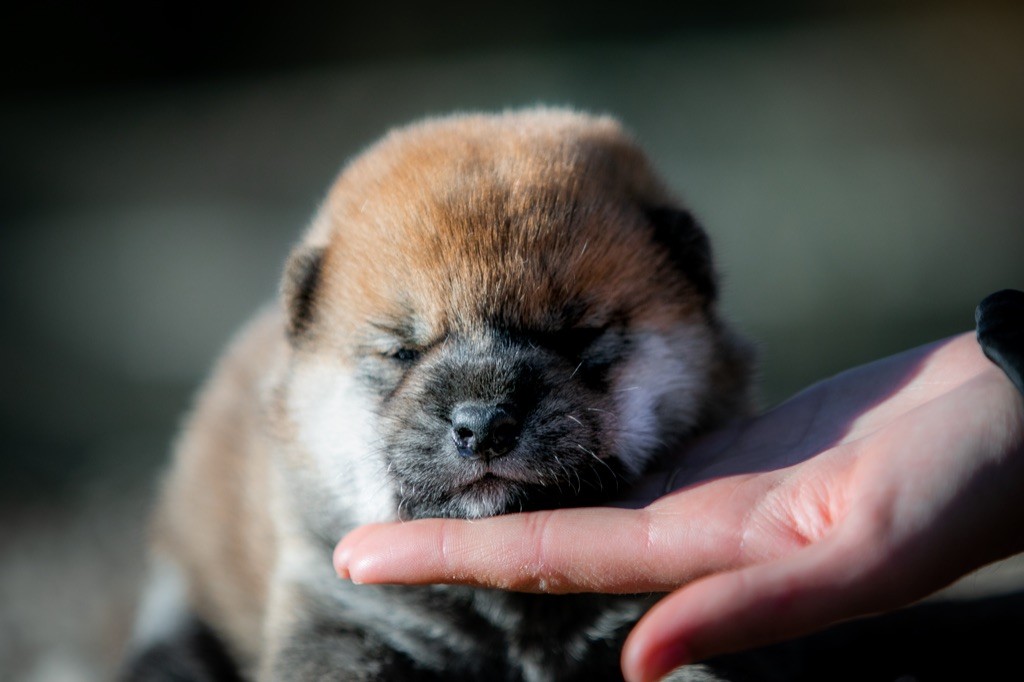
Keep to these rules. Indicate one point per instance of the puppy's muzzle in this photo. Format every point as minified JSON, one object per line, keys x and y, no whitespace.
{"x":484,"y":431}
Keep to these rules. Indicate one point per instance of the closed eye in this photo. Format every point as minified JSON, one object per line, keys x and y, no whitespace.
{"x":403,"y":355}
{"x":397,"y":341}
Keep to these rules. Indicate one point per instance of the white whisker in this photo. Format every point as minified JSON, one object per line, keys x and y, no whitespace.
{"x":591,"y":453}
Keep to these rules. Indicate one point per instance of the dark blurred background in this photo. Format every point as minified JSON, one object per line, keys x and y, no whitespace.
{"x":859,"y":165}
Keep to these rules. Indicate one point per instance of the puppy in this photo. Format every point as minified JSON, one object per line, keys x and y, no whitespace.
{"x":489,"y":314}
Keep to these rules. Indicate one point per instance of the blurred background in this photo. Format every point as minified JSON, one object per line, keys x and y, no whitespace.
{"x":859,"y":165}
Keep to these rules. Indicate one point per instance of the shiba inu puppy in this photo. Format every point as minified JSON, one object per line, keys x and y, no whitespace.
{"x":488,"y":314}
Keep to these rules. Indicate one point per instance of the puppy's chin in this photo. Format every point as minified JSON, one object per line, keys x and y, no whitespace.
{"x":488,"y":495}
{"x":508,"y":485}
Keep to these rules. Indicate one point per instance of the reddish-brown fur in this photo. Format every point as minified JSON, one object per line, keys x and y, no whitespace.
{"x":467,"y":264}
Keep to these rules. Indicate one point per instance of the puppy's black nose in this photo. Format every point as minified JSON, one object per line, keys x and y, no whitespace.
{"x":483,"y":431}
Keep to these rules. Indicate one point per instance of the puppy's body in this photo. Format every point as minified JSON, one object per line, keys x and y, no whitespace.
{"x":488,"y":314}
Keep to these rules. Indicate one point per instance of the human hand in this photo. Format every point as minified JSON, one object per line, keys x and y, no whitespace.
{"x":863,"y":493}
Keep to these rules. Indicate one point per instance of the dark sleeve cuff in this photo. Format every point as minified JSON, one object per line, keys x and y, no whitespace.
{"x":1000,"y":323}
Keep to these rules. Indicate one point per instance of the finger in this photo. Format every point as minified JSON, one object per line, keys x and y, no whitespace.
{"x":541,"y":551}
{"x":569,"y":550}
{"x":756,"y":605}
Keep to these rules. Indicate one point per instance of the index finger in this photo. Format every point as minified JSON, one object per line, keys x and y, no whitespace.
{"x":560,"y":551}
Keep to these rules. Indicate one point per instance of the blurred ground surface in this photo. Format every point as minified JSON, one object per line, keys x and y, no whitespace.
{"x":861,"y":179}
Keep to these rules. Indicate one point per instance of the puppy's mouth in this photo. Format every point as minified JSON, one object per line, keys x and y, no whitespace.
{"x":497,"y":473}
{"x":488,"y":482}
{"x":514,"y":483}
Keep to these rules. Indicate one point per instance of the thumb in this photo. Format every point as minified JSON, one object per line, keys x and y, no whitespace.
{"x":760,"y":604}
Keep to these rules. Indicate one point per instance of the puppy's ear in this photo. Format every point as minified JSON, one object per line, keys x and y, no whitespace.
{"x":301,"y":280}
{"x":688,"y":247}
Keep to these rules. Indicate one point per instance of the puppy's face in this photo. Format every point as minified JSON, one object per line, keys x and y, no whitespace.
{"x":500,"y":313}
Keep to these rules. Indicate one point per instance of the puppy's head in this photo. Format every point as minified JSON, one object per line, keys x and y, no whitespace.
{"x":500,"y":313}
